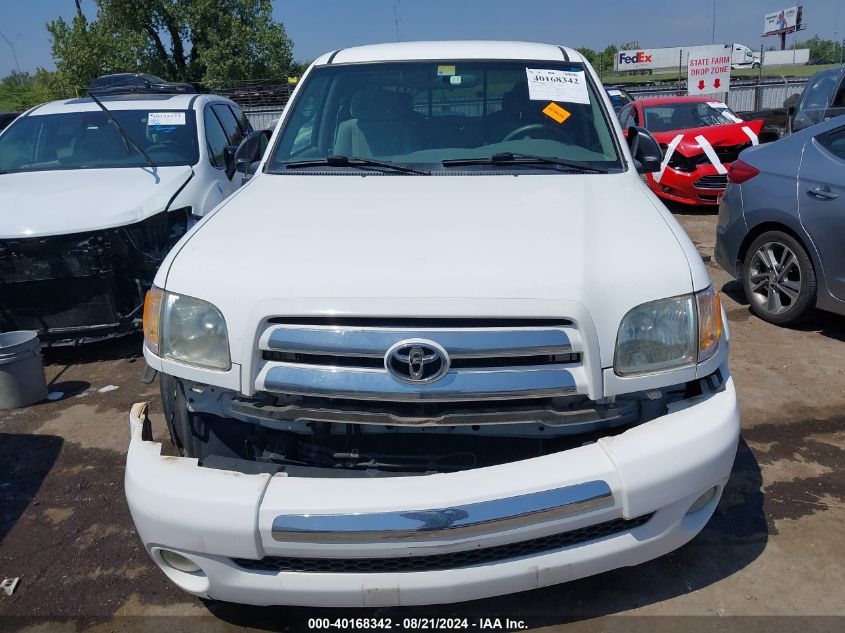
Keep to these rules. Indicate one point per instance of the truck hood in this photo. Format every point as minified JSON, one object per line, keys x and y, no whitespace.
{"x":717,"y":135}
{"x":40,"y":203}
{"x":450,"y":246}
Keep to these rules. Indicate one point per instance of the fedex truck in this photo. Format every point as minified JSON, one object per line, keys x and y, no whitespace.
{"x":656,"y":60}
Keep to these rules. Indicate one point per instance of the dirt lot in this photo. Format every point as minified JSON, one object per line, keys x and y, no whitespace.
{"x":774,"y":546}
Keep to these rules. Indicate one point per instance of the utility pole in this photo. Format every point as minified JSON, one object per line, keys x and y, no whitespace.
{"x":713,"y":34}
{"x":396,"y":18}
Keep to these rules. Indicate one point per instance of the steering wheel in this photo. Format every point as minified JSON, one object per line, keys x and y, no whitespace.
{"x":525,"y":129}
{"x":518,"y":132}
{"x":167,"y":147}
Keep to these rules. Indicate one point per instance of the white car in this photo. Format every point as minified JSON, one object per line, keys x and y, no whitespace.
{"x":445,"y":344}
{"x":88,"y":214}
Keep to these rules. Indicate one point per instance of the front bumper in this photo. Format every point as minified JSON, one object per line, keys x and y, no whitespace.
{"x":731,"y":231}
{"x":216,"y":517}
{"x":687,"y":187}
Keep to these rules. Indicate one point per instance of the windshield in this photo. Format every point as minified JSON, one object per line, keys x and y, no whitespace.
{"x":819,"y":91}
{"x":618,"y":98}
{"x":85,"y":140}
{"x":681,"y":116}
{"x":422,"y":113}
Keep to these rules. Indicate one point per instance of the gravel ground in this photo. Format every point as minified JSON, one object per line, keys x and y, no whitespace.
{"x":774,"y":546}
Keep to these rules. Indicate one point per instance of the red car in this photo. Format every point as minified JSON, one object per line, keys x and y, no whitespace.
{"x":700,"y":137}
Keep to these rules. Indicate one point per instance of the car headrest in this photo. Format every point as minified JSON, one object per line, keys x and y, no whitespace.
{"x":682,"y":118}
{"x":379,"y":105}
{"x":515,"y":101}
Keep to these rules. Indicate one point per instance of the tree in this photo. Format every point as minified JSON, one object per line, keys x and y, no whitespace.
{"x":179,"y":40}
{"x":823,"y":51}
{"x":589,"y":54}
{"x":298,"y":68}
{"x":21,"y":91}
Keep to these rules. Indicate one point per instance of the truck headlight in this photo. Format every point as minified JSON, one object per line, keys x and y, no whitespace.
{"x":669,"y":333}
{"x":185,"y":329}
{"x":657,"y":335}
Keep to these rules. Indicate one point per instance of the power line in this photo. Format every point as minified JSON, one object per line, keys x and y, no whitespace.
{"x":14,"y":55}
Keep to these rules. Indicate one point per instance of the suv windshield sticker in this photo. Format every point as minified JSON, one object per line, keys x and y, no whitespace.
{"x":156,"y":119}
{"x":557,"y":85}
{"x":445,"y":71}
{"x":554,"y":111}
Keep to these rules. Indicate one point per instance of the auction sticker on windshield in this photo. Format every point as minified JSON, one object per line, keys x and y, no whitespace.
{"x":165,"y":118}
{"x":557,"y":85}
{"x":554,"y":111}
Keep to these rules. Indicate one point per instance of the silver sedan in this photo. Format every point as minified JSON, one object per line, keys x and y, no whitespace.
{"x":782,"y":223}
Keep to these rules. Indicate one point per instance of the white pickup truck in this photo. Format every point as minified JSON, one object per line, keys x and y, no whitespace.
{"x":445,"y":344}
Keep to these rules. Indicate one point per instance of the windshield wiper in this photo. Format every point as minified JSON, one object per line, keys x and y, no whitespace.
{"x":355,"y":161}
{"x":512,"y":158}
{"x":126,"y":139}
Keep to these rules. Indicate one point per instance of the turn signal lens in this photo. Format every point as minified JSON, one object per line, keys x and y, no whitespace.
{"x":709,"y":323}
{"x":739,"y":171}
{"x":152,"y":318}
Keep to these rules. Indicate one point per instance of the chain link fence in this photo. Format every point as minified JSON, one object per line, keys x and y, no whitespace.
{"x":262,"y":100}
{"x":263,"y":118}
{"x":741,"y":97}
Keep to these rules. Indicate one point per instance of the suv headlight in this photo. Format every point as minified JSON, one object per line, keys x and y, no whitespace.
{"x":185,"y":329}
{"x":669,"y":334}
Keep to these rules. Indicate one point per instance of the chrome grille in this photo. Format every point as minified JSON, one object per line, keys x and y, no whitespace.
{"x":487,"y":362}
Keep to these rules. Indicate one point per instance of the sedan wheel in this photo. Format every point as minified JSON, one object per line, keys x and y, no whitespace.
{"x":779,"y":279}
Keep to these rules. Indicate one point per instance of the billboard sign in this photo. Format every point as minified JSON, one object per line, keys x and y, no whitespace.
{"x":781,"y":21}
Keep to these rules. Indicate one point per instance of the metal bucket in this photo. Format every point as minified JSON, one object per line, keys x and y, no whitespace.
{"x":21,"y":370}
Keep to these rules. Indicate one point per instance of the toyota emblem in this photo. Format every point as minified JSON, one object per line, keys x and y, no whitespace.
{"x":416,"y":361}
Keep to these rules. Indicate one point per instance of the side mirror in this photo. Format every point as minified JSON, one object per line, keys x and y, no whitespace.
{"x":645,"y":150}
{"x":250,"y":151}
{"x":229,"y":160}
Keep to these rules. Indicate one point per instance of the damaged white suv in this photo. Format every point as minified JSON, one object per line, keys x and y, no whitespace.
{"x":95,"y":191}
{"x":445,"y":344}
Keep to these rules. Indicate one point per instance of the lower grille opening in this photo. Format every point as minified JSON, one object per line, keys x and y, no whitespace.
{"x":438,"y":562}
{"x":715,"y":181}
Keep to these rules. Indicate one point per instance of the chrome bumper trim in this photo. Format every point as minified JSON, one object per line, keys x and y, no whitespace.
{"x":473,"y":519}
{"x":377,"y":384}
{"x":374,"y":342}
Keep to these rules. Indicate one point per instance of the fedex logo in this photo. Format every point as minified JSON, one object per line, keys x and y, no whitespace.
{"x":638,"y":58}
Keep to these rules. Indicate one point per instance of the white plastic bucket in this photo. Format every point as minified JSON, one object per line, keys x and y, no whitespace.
{"x":22,"y":379}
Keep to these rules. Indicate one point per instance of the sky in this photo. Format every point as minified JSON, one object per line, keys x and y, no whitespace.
{"x":317,"y":26}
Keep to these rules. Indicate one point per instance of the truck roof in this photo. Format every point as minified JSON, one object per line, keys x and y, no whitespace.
{"x":450,"y":50}
{"x":126,"y":102}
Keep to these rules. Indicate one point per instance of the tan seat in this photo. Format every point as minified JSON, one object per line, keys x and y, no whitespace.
{"x":381,"y":125}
